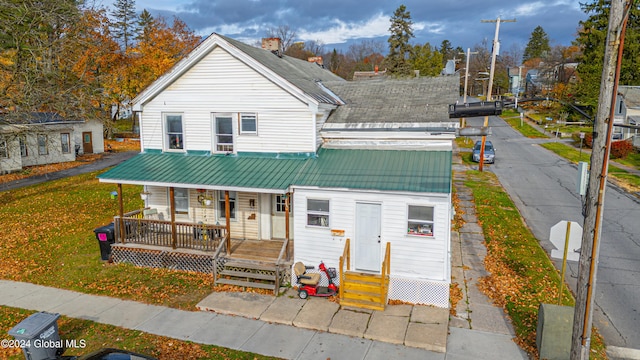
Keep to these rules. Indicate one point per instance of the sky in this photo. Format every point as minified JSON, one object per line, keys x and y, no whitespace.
{"x":338,"y":23}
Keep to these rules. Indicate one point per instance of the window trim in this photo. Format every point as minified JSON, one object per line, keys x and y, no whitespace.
{"x":214,"y":119}
{"x":421,"y":221}
{"x":319,"y":213}
{"x":166,"y":140}
{"x":68,"y":143}
{"x":240,"y":124}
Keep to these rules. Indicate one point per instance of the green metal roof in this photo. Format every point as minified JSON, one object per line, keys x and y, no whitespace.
{"x":207,"y":170}
{"x":392,"y":170}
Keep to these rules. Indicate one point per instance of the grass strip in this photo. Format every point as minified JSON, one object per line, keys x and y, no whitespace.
{"x":522,"y":275}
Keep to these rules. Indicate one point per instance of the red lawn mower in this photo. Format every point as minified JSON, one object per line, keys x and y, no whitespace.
{"x":308,"y":282}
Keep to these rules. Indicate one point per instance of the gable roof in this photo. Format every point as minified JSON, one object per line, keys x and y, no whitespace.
{"x":631,"y":95}
{"x":300,"y":78}
{"x":383,"y":170}
{"x":377,"y":102}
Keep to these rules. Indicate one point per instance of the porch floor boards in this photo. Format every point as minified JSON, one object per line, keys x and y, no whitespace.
{"x":258,"y":250}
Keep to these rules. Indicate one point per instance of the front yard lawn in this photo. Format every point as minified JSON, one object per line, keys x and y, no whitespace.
{"x":48,"y":239}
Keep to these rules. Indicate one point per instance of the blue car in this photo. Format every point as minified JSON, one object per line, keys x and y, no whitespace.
{"x":489,"y":152}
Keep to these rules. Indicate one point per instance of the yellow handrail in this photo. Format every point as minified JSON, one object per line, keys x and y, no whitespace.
{"x":384,"y":278}
{"x":345,"y":256}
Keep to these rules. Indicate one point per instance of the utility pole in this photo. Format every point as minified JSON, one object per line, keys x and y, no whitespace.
{"x":602,"y":131}
{"x":494,"y":53}
{"x":466,"y":82}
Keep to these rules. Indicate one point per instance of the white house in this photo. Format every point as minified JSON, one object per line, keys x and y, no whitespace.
{"x":47,"y":138}
{"x":245,"y":144}
{"x":627,"y":114}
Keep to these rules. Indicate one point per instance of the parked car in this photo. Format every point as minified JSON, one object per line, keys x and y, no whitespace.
{"x":489,"y":152}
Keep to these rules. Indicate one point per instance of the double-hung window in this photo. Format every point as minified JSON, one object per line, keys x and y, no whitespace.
{"x":4,"y":151}
{"x":174,"y":131}
{"x":223,"y":128}
{"x":248,"y":124}
{"x":318,"y":212}
{"x":65,"y":141}
{"x":42,"y":144}
{"x":232,"y":205}
{"x":420,"y":220}
{"x":181,"y":200}
{"x":24,"y":152}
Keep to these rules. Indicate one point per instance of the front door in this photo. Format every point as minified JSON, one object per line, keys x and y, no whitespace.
{"x":367,"y":244}
{"x":278,"y":224}
{"x":87,"y":143}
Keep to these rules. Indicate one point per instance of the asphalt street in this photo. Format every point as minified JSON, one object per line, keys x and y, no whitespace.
{"x":543,"y":187}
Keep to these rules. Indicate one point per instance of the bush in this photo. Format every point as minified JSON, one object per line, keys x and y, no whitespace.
{"x":621,"y":149}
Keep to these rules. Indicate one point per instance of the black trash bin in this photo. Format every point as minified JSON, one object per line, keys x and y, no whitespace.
{"x":105,"y":236}
{"x":39,"y":337}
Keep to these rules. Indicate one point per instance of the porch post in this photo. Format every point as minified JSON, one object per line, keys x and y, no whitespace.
{"x":172,"y":204}
{"x":227,"y":218}
{"x":121,"y":213}
{"x":286,"y":223}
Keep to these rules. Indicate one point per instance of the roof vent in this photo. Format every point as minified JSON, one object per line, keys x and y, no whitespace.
{"x":273,"y":44}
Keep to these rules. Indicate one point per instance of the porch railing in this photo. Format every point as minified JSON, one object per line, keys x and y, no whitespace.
{"x":139,"y":230}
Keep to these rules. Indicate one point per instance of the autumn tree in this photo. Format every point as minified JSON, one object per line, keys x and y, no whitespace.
{"x":285,"y":33}
{"x":366,"y":55}
{"x":538,"y":44}
{"x":37,"y":71}
{"x":397,"y":60}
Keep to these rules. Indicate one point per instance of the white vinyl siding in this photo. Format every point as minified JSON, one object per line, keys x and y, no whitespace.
{"x":411,"y":256}
{"x":220,"y":83}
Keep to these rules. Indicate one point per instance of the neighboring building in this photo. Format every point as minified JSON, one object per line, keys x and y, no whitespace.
{"x":256,"y":146}
{"x":47,"y":138}
{"x":627,"y":113}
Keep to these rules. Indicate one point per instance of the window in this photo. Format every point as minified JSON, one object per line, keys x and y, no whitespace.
{"x":280,"y":204}
{"x":23,"y":146}
{"x":4,"y":152}
{"x":420,"y":220}
{"x":174,"y":132}
{"x":42,"y":144}
{"x":181,"y":199}
{"x":248,"y":124}
{"x":223,"y":125}
{"x":318,"y":212}
{"x":65,"y":140}
{"x":232,"y":205}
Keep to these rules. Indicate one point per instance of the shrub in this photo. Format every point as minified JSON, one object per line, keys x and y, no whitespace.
{"x":621,"y":149}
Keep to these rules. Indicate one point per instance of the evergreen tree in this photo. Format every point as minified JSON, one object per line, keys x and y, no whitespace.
{"x":447,"y":51}
{"x":125,"y":25}
{"x":538,"y":45}
{"x":401,"y":31}
{"x":591,"y":40}
{"x":427,"y":60}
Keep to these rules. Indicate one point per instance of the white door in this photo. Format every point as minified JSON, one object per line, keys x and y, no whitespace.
{"x":367,"y":244}
{"x":278,"y":225}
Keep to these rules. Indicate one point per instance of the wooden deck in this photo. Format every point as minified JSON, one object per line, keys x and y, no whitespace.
{"x":258,"y":250}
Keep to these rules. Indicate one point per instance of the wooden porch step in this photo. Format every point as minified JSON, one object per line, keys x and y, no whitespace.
{"x":248,"y":275}
{"x":250,"y":265}
{"x":362,"y":304}
{"x":246,"y":283}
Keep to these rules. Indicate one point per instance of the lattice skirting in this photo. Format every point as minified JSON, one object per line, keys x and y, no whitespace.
{"x":163,"y":259}
{"x":419,"y":291}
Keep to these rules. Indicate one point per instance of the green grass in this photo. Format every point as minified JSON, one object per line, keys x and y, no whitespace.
{"x":623,"y":177}
{"x":522,"y":275}
{"x":95,"y":336}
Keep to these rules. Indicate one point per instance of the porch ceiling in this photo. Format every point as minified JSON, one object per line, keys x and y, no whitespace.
{"x":383,"y":170}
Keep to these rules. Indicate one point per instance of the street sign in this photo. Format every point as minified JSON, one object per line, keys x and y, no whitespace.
{"x":558,"y":236}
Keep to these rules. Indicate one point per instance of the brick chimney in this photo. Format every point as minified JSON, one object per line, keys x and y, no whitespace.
{"x":273,"y":44}
{"x":316,"y":59}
